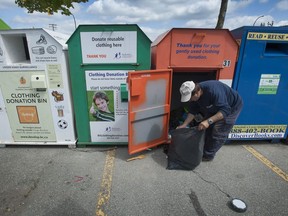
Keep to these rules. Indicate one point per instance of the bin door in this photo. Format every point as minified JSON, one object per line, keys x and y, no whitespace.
{"x":148,"y":108}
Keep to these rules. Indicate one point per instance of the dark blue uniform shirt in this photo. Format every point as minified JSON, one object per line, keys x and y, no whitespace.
{"x":216,"y":96}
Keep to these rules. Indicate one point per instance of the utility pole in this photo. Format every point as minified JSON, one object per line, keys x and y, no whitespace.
{"x":74,"y":20}
{"x":53,"y":26}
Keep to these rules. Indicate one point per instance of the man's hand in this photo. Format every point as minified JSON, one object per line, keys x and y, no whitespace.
{"x":181,"y":126}
{"x":203,"y":125}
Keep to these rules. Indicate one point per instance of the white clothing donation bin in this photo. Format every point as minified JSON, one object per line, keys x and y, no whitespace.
{"x":35,"y":99}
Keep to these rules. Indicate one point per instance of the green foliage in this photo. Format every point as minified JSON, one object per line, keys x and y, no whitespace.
{"x":48,"y":6}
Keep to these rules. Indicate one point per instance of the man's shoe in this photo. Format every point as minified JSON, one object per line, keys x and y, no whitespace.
{"x":206,"y":159}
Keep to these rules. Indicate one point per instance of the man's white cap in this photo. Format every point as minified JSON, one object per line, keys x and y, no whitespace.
{"x":186,"y":90}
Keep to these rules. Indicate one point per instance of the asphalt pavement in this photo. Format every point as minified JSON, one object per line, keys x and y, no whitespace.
{"x":98,"y":180}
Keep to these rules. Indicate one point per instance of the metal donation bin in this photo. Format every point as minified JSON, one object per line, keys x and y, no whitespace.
{"x":261,"y":78}
{"x":35,"y":100}
{"x":177,"y":56}
{"x":195,"y":54}
{"x":100,"y":58}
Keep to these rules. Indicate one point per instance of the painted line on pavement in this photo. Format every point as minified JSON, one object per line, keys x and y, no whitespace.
{"x":105,"y":190}
{"x":268,"y":163}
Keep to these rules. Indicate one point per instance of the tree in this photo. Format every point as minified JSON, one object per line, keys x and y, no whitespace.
{"x":222,"y":14}
{"x":48,"y":6}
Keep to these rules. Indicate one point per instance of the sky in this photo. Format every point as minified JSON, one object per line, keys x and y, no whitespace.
{"x":154,"y":17}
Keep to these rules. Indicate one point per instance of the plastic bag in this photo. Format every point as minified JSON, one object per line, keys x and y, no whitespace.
{"x":186,"y":149}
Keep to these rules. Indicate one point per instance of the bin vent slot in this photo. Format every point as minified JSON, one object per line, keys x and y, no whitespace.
{"x":276,"y":49}
{"x":25,"y":43}
{"x":16,"y":48}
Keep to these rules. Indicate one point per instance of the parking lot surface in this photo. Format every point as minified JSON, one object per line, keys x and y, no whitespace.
{"x":98,"y":180}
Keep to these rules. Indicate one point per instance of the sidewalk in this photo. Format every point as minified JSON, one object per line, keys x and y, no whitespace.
{"x":48,"y":181}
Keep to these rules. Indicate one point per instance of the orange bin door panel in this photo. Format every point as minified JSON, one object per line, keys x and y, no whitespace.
{"x":148,"y":109}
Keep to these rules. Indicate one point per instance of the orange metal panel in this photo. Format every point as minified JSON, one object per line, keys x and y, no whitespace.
{"x":136,"y":87}
{"x":160,"y":51}
{"x":202,"y":48}
{"x":148,"y":108}
{"x":189,"y":49}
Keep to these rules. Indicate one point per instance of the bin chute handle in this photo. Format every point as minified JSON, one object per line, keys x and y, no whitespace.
{"x":198,"y":37}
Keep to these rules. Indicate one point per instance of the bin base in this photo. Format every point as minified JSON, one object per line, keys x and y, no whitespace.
{"x":27,"y":144}
{"x":90,"y":144}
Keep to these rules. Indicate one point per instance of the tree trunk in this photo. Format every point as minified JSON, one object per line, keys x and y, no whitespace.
{"x":222,"y":13}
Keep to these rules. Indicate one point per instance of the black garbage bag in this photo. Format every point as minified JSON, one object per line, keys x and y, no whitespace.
{"x":186,"y":149}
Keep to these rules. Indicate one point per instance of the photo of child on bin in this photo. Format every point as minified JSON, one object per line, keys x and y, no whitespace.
{"x":101,"y":107}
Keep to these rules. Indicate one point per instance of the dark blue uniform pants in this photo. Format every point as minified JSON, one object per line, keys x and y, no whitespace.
{"x":217,"y":134}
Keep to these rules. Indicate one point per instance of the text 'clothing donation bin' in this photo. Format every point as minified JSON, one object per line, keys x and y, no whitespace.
{"x":261,"y":78}
{"x":197,"y":55}
{"x":100,"y":58}
{"x":35,"y":100}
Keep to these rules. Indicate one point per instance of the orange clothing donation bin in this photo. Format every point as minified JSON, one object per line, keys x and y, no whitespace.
{"x":178,"y":55}
{"x":194,"y":54}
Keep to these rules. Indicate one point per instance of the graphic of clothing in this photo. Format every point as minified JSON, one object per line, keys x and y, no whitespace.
{"x":103,"y":116}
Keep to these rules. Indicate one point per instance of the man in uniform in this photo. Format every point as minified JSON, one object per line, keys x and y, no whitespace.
{"x":220,"y":107}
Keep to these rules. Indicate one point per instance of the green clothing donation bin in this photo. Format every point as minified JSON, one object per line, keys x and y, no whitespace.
{"x":3,"y":25}
{"x":100,"y":58}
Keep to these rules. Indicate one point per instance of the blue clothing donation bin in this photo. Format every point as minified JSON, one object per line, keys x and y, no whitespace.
{"x":261,"y":78}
